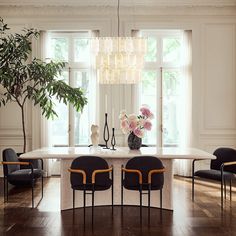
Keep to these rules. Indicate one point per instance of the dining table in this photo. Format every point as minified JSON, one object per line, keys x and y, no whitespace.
{"x":117,"y":157}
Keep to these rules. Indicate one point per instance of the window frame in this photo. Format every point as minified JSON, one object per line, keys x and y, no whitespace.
{"x":71,"y":67}
{"x":159,"y":65}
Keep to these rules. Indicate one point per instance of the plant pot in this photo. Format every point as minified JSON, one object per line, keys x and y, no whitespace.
{"x":134,"y":142}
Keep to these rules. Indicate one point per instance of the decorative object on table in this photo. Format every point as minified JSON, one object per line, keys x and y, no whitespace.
{"x":134,"y":142}
{"x":25,"y":79}
{"x":95,"y":135}
{"x":136,"y":126}
{"x":106,"y":132}
{"x":113,"y":139}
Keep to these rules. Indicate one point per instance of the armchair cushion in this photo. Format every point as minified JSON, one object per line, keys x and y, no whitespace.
{"x":97,"y":187}
{"x":214,"y":174}
{"x":23,"y":176}
{"x":144,"y":186}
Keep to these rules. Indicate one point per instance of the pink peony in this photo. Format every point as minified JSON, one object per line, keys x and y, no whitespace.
{"x":122,"y":115}
{"x":145,"y":111}
{"x":124,"y":126}
{"x":133,"y":124}
{"x":139,"y":132}
{"x":132,"y":117}
{"x":147,"y":125}
{"x":151,"y":116}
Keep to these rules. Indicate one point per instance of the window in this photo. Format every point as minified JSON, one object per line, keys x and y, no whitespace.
{"x":71,"y":128}
{"x":161,"y":85}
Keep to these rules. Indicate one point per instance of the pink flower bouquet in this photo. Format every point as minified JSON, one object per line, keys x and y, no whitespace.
{"x":136,"y":124}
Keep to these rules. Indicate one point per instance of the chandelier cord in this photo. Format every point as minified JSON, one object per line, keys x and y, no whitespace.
{"x":118,"y":17}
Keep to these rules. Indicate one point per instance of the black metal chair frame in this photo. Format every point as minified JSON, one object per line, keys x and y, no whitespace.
{"x":141,"y":184}
{"x":222,"y":182}
{"x":22,"y":163}
{"x":85,"y":185}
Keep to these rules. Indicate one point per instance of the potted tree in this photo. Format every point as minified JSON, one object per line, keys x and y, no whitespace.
{"x":23,"y":79}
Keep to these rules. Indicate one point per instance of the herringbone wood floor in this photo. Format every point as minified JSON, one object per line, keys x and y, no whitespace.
{"x":203,"y":217}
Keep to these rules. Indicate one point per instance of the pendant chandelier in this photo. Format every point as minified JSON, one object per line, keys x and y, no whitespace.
{"x":119,"y":60}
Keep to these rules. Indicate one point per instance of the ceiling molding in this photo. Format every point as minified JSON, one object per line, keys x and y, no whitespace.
{"x":107,"y":3}
{"x":85,"y":12}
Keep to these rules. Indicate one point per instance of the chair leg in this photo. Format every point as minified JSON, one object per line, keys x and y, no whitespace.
{"x":42,"y":186}
{"x":92,"y":204}
{"x":161,"y":199}
{"x":112,"y":197}
{"x":73,"y":205}
{"x":140,"y":190}
{"x":225,"y":187}
{"x":222,"y":180}
{"x":193,"y":165}
{"x":149,"y":199}
{"x":230,"y":189}
{"x":32,"y":186}
{"x":73,"y":199}
{"x":122,"y":195}
{"x":4,"y":188}
{"x":7,"y":189}
{"x":84,"y":193}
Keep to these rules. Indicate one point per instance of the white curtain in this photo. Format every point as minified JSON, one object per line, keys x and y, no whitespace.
{"x":183,"y":167}
{"x":40,"y":137}
{"x":95,"y":33}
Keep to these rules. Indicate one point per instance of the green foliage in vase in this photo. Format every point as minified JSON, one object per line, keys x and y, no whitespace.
{"x":23,"y":79}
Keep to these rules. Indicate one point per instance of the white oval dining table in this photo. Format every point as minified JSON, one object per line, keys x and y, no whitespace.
{"x":116,"y":158}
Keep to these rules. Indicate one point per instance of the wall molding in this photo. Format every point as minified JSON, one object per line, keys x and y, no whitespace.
{"x":207,"y":124}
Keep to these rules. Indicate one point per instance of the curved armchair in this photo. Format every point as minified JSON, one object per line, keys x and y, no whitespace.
{"x":223,"y":168}
{"x":143,"y":173}
{"x":18,"y":176}
{"x":90,"y":174}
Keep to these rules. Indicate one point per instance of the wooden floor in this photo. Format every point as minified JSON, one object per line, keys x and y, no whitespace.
{"x":203,"y":217}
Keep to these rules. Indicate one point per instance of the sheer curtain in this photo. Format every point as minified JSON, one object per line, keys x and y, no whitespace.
{"x":183,"y":167}
{"x":40,"y":136}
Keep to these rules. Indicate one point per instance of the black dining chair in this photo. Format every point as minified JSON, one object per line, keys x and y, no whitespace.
{"x":90,"y":174}
{"x":18,"y":176}
{"x":143,"y":173}
{"x":222,"y":169}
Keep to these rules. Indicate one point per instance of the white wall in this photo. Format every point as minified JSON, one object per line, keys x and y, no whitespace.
{"x":214,"y":54}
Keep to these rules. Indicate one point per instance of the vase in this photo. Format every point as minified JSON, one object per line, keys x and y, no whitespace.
{"x":134,"y":142}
